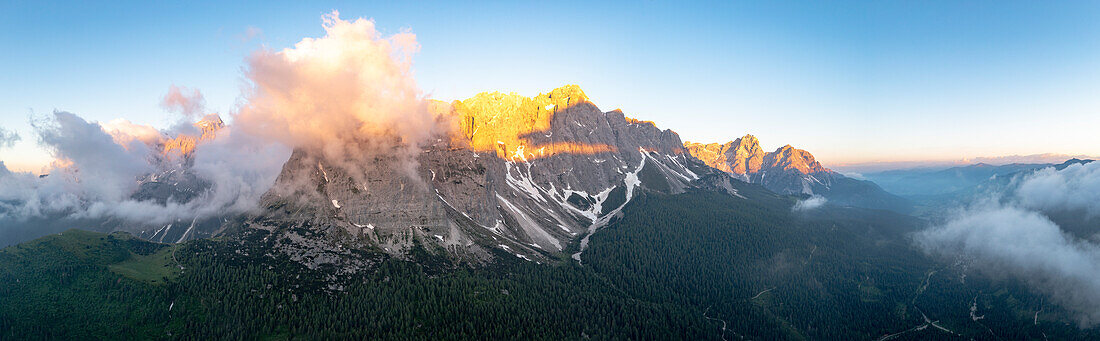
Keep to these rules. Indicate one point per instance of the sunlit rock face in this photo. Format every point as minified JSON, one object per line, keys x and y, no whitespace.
{"x":789,"y":170}
{"x":530,"y":176}
{"x":791,"y":159}
{"x":786,"y":170}
{"x":740,"y":157}
{"x":173,"y":180}
{"x":183,"y":145}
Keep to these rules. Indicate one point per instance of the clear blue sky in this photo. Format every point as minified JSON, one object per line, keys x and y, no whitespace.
{"x":850,"y":82}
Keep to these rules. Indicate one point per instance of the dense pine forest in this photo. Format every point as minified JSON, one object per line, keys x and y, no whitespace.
{"x":699,"y":265}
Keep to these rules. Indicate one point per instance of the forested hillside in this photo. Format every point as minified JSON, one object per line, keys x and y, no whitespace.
{"x":699,"y":265}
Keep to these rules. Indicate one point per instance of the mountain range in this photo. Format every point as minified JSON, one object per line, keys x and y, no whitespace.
{"x":792,"y":171}
{"x":529,"y":175}
{"x":916,"y":182}
{"x":528,"y":217}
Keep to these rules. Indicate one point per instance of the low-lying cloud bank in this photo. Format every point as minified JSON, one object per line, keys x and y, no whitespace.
{"x":97,"y":170}
{"x":1076,"y":187}
{"x":347,"y":93}
{"x":810,"y":203}
{"x":1012,"y":236}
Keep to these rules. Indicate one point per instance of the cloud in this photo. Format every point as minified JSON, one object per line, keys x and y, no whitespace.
{"x":241,"y":169}
{"x":8,"y":138}
{"x":1074,"y":187}
{"x":349,"y":94}
{"x":126,"y":133}
{"x":810,"y":203}
{"x":1025,"y":244}
{"x":251,"y":32}
{"x":345,"y":93}
{"x":184,"y":101}
{"x":1008,"y":234}
{"x":99,"y":168}
{"x":853,"y":175}
{"x":107,"y":169}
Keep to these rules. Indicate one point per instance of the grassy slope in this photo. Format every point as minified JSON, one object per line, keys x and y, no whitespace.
{"x":60,"y":286}
{"x":156,"y":268}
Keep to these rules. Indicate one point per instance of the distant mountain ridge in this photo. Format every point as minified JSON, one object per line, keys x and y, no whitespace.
{"x":789,"y":170}
{"x":942,"y":181}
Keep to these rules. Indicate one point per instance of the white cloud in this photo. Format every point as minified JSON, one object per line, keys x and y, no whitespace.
{"x":346,"y":94}
{"x":1072,"y":188}
{"x":184,"y":101}
{"x":810,"y":203}
{"x":8,"y":138}
{"x":1011,"y":236}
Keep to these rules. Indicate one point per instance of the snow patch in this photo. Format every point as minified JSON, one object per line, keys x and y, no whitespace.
{"x":631,"y":180}
{"x":166,"y":229}
{"x":519,"y":153}
{"x":188,"y":232}
{"x":675,"y":159}
{"x":530,"y":226}
{"x":523,"y":182}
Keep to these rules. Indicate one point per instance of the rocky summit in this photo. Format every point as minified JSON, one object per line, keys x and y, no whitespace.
{"x":531,"y":176}
{"x":789,"y":170}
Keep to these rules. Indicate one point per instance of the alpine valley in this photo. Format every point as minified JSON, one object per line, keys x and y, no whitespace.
{"x":527,"y":218}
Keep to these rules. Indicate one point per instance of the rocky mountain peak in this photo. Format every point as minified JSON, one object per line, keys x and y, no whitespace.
{"x":184,"y":144}
{"x":508,"y":125}
{"x":525,"y":175}
{"x":209,"y":125}
{"x":786,"y":170}
{"x":792,"y":159}
{"x":789,"y":170}
{"x":742,"y":156}
{"x":748,"y":142}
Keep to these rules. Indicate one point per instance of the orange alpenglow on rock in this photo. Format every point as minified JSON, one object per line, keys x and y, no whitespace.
{"x":499,"y":123}
{"x":744,"y":156}
{"x":790,"y":158}
{"x":740,"y":156}
{"x":632,"y":120}
{"x":183,"y":144}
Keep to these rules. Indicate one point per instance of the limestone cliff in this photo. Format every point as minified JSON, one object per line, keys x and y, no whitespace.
{"x":531,"y":176}
{"x":789,"y":170}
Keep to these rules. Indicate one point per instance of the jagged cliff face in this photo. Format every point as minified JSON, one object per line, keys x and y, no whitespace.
{"x":741,"y":156}
{"x":173,"y":180}
{"x":786,"y":170}
{"x":790,"y":159}
{"x":183,"y":146}
{"x":531,"y":176}
{"x":789,"y":170}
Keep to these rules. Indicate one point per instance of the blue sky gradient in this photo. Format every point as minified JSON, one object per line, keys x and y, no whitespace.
{"x":849,"y":81}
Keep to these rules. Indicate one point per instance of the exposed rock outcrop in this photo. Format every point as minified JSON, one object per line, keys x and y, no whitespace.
{"x":789,"y":170}
{"x":529,"y":176}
